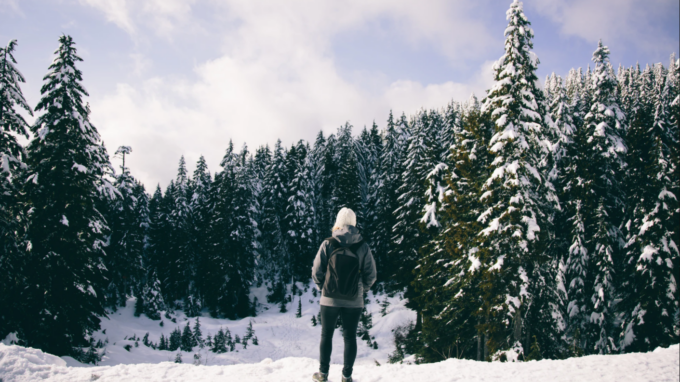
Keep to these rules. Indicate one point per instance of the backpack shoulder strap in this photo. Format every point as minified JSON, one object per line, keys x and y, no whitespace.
{"x":332,"y":244}
{"x":355,"y":248}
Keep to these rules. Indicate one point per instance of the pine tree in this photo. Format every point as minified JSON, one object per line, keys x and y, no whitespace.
{"x":12,"y":156}
{"x":388,"y":184}
{"x":201,"y":210}
{"x":162,"y":343}
{"x":219,"y":342}
{"x":160,"y":230}
{"x":517,"y":198}
{"x":406,"y":236}
{"x":274,"y":196}
{"x":198,"y":335}
{"x":300,"y":218}
{"x":126,"y":244}
{"x":650,"y":297}
{"x":175,"y":340}
{"x":298,"y":313}
{"x":448,"y":274}
{"x":66,"y":232}
{"x":188,"y":341}
{"x":250,"y":333}
{"x":347,"y":192}
{"x":604,"y":126}
{"x":234,"y":238}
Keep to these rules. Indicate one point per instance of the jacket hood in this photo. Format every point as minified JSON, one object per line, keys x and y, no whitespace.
{"x":347,"y":235}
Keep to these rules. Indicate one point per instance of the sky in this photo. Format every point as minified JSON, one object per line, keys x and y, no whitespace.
{"x":174,"y":78}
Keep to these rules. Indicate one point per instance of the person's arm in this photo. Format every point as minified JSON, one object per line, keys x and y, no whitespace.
{"x":319,"y":266}
{"x":368,"y":274}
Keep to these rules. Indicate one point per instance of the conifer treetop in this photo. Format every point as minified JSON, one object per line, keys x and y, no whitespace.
{"x":10,"y":121}
{"x":10,"y":93}
{"x":605,"y":113}
{"x":63,"y":91}
{"x":513,"y":98}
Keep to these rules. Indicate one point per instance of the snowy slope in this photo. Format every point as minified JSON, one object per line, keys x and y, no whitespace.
{"x":288,"y":351}
{"x":280,"y":335}
{"x":25,"y":364}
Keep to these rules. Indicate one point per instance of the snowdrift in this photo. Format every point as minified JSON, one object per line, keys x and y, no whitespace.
{"x":25,"y":364}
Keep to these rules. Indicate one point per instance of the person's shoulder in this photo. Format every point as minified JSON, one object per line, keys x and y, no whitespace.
{"x":365,"y":249}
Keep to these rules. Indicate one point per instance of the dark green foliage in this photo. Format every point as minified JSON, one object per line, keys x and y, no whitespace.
{"x":162,"y":343}
{"x":66,"y":232}
{"x":220,"y":342}
{"x":298,"y":313}
{"x":250,"y":333}
{"x":175,"y":340}
{"x":188,"y":341}
{"x":197,"y":334}
{"x":12,"y":263}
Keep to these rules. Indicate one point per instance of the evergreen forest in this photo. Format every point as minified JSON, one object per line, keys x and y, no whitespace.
{"x":538,"y":219}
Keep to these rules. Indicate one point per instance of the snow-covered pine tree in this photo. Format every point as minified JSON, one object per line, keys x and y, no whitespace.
{"x":66,"y":232}
{"x":650,"y":297}
{"x":300,"y":219}
{"x":329,"y":179}
{"x":235,"y":247}
{"x":151,"y":296}
{"x":187,"y":341}
{"x":126,"y":244}
{"x":160,"y":208}
{"x":347,"y":192}
{"x":274,"y":245}
{"x":260,"y":163}
{"x":12,"y":155}
{"x":181,"y":255}
{"x":518,"y":200}
{"x":368,"y":148}
{"x":316,"y":161}
{"x":389,"y":181}
{"x":201,"y":210}
{"x":595,"y":208}
{"x":448,"y":273}
{"x":406,"y":236}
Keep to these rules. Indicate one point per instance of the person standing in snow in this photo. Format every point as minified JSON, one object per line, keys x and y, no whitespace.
{"x":343,"y":269}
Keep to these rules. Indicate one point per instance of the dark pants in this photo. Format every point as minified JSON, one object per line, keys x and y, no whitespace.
{"x":350,"y":321}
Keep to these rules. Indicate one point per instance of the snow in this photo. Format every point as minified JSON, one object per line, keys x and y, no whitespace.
{"x":19,"y":364}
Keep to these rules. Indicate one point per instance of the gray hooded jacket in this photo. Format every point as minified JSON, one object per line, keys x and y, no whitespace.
{"x":346,"y":236}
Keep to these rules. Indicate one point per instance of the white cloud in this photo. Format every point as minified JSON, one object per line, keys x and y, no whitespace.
{"x":116,"y":11}
{"x":162,"y":18}
{"x":140,"y":63}
{"x":274,"y":76}
{"x":622,"y":24}
{"x":12,"y":6}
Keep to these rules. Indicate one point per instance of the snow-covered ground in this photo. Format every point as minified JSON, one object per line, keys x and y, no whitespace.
{"x":288,"y":351}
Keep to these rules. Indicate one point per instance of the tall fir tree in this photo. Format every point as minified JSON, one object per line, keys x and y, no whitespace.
{"x":12,"y":156}
{"x":518,"y":199}
{"x":448,"y":275}
{"x":649,"y":294}
{"x":597,"y":210}
{"x":66,"y":233}
{"x":389,"y":180}
{"x":300,"y":219}
{"x":347,"y":192}
{"x":126,"y":243}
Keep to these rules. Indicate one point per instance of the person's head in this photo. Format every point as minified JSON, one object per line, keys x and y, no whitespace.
{"x":345,"y":217}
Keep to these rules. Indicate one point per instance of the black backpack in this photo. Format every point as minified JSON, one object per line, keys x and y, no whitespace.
{"x":343,"y":272}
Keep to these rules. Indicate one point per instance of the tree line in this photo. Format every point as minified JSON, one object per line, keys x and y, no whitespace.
{"x":538,"y":219}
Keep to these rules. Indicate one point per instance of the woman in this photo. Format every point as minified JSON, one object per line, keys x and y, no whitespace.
{"x":345,"y":236}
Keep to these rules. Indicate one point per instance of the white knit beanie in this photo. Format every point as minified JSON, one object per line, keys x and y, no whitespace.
{"x":345,"y":217}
